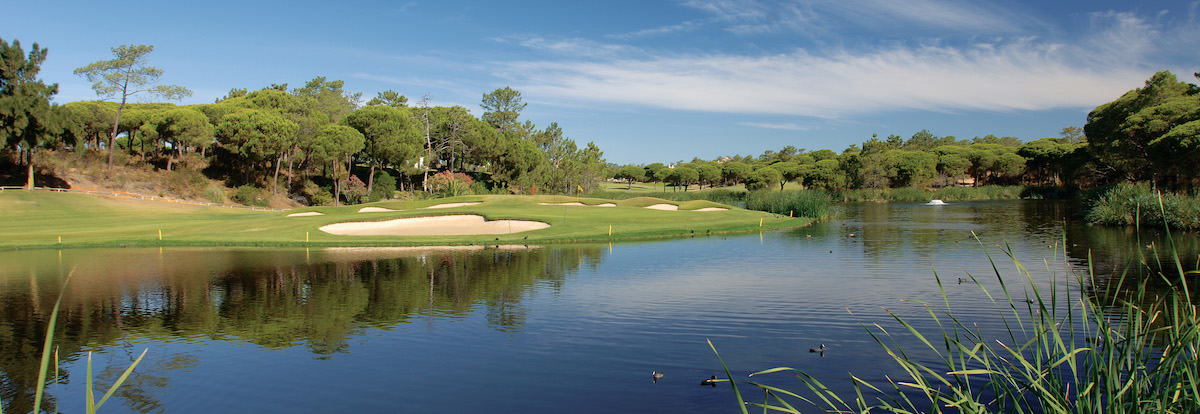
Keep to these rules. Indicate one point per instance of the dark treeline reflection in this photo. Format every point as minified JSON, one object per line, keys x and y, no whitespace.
{"x":1119,"y":258}
{"x":276,"y":299}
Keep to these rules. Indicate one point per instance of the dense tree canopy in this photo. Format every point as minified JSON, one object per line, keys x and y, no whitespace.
{"x":26,"y":117}
{"x":125,"y":75}
{"x":1151,"y":133}
{"x":324,"y":138}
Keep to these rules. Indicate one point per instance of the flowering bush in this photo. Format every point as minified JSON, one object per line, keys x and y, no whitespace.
{"x":450,"y":184}
{"x":354,"y":190}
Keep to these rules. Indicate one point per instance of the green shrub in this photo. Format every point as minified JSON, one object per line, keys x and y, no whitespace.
{"x":215,"y":193}
{"x":251,"y":196}
{"x":321,"y":198}
{"x":186,"y":183}
{"x":383,"y":188}
{"x":802,"y":203}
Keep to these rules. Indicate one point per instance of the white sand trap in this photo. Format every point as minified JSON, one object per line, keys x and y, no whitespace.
{"x":374,"y":210}
{"x":576,"y":203}
{"x":712,"y":209}
{"x":668,"y":207}
{"x":452,"y":205}
{"x":457,"y":225}
{"x":306,"y":213}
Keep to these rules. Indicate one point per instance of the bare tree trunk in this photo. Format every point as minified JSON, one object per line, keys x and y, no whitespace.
{"x":371,"y":177}
{"x":275,"y":179}
{"x":291,"y":160}
{"x":112,"y":138}
{"x":29,"y":161}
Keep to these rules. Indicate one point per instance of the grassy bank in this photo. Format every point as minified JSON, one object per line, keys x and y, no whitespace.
{"x":1130,"y":204}
{"x":40,"y":219}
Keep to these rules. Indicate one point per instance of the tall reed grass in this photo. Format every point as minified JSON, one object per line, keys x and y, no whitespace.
{"x":1130,"y":204}
{"x":801,"y":203}
{"x":91,"y":405}
{"x":1125,"y":344}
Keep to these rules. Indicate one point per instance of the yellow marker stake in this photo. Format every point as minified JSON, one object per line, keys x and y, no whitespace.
{"x":306,"y":237}
{"x":610,"y":230}
{"x":160,"y":234}
{"x":59,"y":239}
{"x":760,"y":222}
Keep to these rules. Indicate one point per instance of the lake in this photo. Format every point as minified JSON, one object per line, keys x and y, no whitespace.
{"x":571,"y":328}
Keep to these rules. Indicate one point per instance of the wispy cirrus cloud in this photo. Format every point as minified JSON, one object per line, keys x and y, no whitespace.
{"x":1024,"y":73}
{"x":787,"y":126}
{"x":773,"y":16}
{"x":661,"y":30}
{"x":577,"y":47}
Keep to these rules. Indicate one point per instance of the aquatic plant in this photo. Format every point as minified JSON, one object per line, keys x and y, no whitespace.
{"x":802,"y":203}
{"x":1128,"y":343}
{"x":48,"y":349}
{"x":1129,"y":204}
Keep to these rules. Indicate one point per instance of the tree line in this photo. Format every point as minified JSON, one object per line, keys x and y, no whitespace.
{"x":1150,"y":134}
{"x":319,"y":145}
{"x":316,"y":143}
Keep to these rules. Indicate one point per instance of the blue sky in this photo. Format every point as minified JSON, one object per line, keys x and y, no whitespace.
{"x":661,"y":81}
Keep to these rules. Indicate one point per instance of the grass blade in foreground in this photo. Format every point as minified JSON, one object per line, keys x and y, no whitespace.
{"x":1120,"y":347}
{"x":48,"y":346}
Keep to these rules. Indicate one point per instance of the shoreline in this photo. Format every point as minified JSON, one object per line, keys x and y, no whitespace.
{"x":399,"y":244}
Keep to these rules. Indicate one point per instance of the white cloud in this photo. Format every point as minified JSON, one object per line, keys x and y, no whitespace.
{"x":1019,"y":75}
{"x":656,"y":31}
{"x":788,"y":126}
{"x":773,"y":16}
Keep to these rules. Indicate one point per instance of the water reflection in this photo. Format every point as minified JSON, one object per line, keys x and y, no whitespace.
{"x":275,"y":299}
{"x":255,"y":325}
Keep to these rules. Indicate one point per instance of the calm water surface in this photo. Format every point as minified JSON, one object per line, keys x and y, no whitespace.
{"x":555,"y":329}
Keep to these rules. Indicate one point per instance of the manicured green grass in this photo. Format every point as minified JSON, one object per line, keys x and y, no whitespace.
{"x":38,"y":219}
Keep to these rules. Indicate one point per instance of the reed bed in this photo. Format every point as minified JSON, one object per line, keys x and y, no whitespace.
{"x":1129,"y":204}
{"x":802,"y":203}
{"x":1125,"y":343}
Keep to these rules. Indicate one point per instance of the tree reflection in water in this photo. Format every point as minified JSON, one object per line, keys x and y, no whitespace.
{"x":273,"y":298}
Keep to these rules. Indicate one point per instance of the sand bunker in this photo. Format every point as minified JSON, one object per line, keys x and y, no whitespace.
{"x":452,"y":205}
{"x":306,"y":213}
{"x":576,"y":203}
{"x":457,"y":225}
{"x":374,"y":210}
{"x":668,"y":207}
{"x":712,"y":209}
